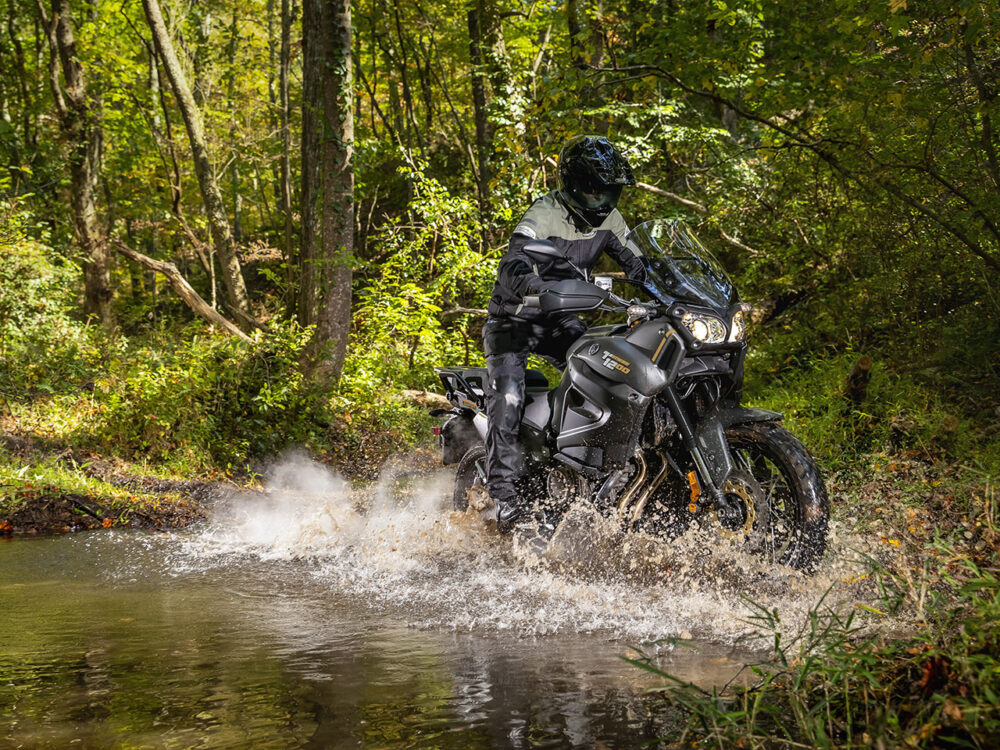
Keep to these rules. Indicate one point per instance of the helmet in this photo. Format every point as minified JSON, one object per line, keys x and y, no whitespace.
{"x":591,"y":175}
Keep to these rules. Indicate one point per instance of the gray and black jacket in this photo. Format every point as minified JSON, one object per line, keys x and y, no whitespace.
{"x":550,"y":219}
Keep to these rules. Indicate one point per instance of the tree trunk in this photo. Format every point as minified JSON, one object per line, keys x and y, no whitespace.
{"x":222,"y":235}
{"x":856,"y":385}
{"x":231,"y":100}
{"x":484,"y":136}
{"x":334,"y":321}
{"x":490,"y":78}
{"x":329,"y":105}
{"x":80,"y":123}
{"x":313,"y":63}
{"x":291,"y":256}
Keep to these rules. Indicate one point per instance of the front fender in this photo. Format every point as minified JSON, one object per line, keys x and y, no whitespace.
{"x":710,"y":435}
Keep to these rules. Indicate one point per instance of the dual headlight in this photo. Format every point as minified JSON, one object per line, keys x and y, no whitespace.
{"x":711,"y":330}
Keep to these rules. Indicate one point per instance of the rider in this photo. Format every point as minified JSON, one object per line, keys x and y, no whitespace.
{"x":581,"y":220}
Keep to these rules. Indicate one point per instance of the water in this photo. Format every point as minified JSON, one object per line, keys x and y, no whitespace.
{"x":318,"y":616}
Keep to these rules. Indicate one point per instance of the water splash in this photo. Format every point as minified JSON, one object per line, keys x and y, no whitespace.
{"x":398,"y":547}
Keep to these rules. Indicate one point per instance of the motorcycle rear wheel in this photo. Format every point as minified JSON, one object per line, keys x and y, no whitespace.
{"x":798,"y":510}
{"x":470,"y":478}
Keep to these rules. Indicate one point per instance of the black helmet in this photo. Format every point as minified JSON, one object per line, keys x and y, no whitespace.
{"x":592,"y":174}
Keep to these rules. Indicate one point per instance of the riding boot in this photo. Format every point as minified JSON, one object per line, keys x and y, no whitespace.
{"x":510,"y":511}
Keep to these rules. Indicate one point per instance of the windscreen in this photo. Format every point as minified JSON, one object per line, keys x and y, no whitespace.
{"x":678,"y":266}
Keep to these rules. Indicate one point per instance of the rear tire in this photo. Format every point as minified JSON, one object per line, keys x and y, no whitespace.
{"x":798,"y":510}
{"x":470,"y":477}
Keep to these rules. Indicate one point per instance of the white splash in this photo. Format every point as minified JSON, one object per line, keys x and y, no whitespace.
{"x":398,"y":548}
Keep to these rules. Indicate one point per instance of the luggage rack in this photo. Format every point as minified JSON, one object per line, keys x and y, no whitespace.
{"x":467,"y":386}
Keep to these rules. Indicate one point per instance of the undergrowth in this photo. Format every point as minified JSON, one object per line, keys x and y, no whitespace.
{"x":836,"y":684}
{"x":23,"y":481}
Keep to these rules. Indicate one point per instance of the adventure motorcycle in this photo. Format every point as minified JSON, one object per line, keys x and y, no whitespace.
{"x":646,"y":420}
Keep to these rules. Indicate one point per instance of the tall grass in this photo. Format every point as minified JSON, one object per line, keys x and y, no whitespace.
{"x":837,"y":683}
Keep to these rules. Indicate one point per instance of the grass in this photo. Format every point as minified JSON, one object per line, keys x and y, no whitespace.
{"x":24,"y":480}
{"x":833,"y":686}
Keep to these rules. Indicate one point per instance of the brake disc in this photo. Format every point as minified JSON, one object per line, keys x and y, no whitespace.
{"x":739,"y":488}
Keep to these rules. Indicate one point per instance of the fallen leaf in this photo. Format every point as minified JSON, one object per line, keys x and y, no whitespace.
{"x":952,"y":710}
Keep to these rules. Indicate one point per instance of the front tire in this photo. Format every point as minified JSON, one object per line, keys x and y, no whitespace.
{"x":798,"y":510}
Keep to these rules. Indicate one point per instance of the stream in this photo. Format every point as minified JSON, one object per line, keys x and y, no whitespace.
{"x":315,"y":615}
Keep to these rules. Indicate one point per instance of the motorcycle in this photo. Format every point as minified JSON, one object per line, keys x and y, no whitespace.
{"x":646,"y":422}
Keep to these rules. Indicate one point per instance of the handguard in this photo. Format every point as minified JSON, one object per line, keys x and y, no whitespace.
{"x":570,"y":295}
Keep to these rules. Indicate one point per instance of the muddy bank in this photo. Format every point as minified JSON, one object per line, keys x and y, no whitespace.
{"x":33,"y":506}
{"x":48,"y":511}
{"x":38,"y":508}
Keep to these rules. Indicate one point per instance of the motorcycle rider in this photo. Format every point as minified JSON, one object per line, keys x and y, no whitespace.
{"x":582,"y":221}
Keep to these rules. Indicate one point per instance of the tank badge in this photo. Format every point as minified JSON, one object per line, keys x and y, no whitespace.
{"x":613,"y":362}
{"x":594,"y":348}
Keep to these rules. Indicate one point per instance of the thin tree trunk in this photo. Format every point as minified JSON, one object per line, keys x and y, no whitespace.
{"x":222,"y":236}
{"x":484,"y":135}
{"x":291,"y":256}
{"x":22,"y":76}
{"x":80,"y":123}
{"x":490,"y":79}
{"x":235,"y":173}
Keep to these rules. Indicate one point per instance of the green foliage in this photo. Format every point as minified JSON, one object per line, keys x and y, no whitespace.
{"x":215,"y":400}
{"x":900,"y":413}
{"x":834,"y":685}
{"x":22,"y":481}
{"x":43,"y":348}
{"x":405,"y":316}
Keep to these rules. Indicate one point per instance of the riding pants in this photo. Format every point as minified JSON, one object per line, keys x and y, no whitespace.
{"x":507,"y":343}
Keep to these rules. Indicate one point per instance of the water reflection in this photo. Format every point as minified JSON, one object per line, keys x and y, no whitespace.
{"x":107,"y":644}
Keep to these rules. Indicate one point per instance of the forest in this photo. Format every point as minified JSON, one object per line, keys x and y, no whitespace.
{"x":233,"y":228}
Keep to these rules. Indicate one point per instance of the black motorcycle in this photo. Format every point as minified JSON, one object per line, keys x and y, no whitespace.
{"x":646,"y":421}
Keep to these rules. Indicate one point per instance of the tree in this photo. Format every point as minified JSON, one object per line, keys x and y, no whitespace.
{"x":80,"y":123}
{"x":327,"y":183}
{"x":490,"y":78}
{"x":222,"y":235}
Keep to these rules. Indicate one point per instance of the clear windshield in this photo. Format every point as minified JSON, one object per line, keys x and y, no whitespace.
{"x":678,"y":266}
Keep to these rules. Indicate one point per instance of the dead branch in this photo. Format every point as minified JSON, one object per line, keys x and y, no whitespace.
{"x":464,"y":311}
{"x":183,"y":289}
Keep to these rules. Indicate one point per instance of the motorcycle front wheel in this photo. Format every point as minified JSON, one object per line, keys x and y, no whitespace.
{"x":797,"y":510}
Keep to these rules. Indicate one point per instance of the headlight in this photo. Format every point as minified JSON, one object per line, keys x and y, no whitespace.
{"x":738,"y":328}
{"x":706,"y":328}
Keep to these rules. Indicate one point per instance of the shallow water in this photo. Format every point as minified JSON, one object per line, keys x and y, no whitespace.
{"x":318,"y":616}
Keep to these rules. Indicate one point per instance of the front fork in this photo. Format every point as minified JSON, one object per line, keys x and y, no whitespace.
{"x":709,"y":451}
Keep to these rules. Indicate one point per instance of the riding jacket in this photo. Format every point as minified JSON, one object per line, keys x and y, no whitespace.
{"x":549,"y":218}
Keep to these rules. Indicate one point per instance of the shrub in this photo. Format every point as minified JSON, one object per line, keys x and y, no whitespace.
{"x":230,"y":400}
{"x":42,"y":347}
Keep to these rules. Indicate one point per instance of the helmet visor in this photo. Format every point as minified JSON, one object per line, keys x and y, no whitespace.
{"x":600,"y":198}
